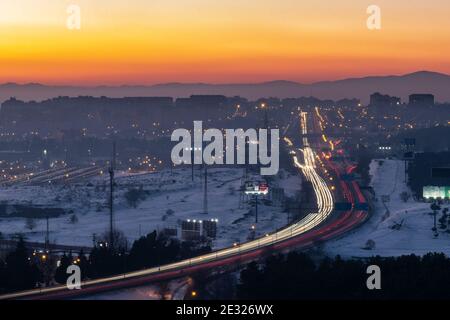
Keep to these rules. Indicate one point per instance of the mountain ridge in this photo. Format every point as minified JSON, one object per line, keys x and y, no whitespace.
{"x":357,"y":87}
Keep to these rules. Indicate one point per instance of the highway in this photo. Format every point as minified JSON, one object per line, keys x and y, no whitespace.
{"x":314,"y":227}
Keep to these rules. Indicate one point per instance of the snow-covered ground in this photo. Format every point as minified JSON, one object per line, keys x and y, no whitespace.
{"x":172,"y":197}
{"x":413,"y":236}
{"x":175,"y":290}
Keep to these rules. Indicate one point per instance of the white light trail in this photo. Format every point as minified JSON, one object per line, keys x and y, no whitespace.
{"x":325,"y":207}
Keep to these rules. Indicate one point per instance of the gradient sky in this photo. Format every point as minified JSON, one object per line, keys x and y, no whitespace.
{"x":219,"y":41}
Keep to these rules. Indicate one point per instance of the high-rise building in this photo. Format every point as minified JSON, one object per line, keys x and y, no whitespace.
{"x":381,"y":100}
{"x":421,"y":100}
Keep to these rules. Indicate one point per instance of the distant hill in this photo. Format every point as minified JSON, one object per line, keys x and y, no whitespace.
{"x":418,"y":82}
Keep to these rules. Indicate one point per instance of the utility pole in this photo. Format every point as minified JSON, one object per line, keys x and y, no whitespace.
{"x":256,"y":208}
{"x":192,"y":164}
{"x":111,"y":196}
{"x":266,"y":119}
{"x":205,"y":191}
{"x":47,"y":235}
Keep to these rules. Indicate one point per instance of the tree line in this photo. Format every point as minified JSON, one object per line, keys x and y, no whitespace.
{"x":22,"y":269}
{"x":298,"y":276}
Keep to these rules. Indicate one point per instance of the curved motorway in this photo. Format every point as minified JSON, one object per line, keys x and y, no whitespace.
{"x":315,"y":227}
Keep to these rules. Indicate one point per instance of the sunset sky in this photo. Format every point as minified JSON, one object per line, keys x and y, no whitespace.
{"x":219,"y":41}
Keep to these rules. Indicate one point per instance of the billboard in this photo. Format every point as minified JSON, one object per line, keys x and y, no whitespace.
{"x":433,"y":192}
{"x":256,"y":188}
{"x":210,"y":228}
{"x":190,"y":230}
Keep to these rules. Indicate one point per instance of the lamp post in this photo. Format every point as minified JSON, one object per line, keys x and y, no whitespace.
{"x":256,"y":208}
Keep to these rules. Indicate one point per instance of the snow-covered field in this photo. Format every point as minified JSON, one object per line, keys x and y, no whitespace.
{"x":175,"y":290}
{"x":414,"y":234}
{"x":171,"y":197}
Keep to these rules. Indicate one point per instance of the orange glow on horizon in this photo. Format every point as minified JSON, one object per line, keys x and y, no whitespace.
{"x":138,"y":42}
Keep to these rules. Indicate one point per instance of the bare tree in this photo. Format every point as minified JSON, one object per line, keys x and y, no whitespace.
{"x":120,"y":241}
